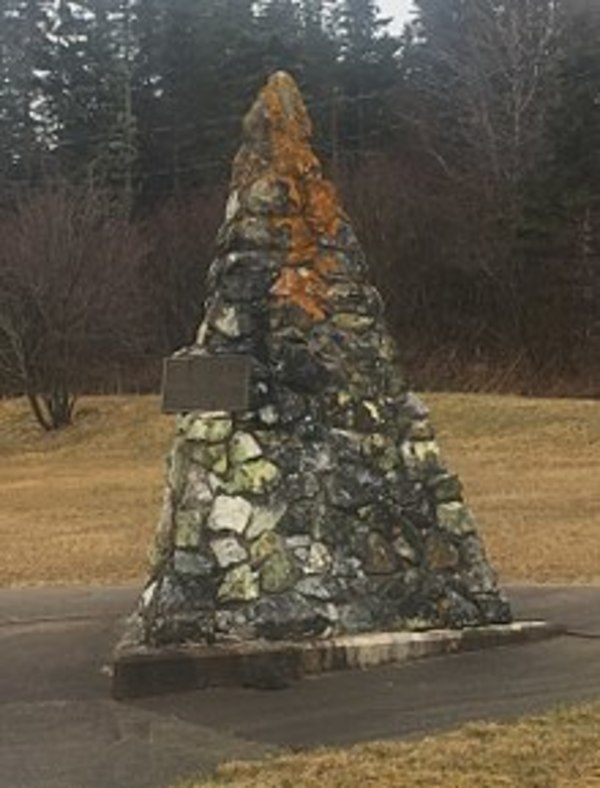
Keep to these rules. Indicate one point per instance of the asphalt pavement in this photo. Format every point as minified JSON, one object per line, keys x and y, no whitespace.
{"x":59,"y":728}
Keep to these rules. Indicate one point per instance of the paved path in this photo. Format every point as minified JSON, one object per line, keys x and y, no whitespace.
{"x":59,"y":729}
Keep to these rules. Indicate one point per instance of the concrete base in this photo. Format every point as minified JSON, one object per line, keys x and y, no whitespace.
{"x":141,"y":671}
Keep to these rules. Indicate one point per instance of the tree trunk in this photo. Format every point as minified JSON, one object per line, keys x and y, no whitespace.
{"x":52,"y":411}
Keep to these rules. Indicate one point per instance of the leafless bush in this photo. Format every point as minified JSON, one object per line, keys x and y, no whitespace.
{"x":69,"y":283}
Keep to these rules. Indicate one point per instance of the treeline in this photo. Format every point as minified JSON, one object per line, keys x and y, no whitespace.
{"x":467,"y":149}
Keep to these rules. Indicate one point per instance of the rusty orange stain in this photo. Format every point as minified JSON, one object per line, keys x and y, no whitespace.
{"x":305,"y":289}
{"x":302,"y":242}
{"x":323,"y":211}
{"x":326,"y":264}
{"x":284,"y":130}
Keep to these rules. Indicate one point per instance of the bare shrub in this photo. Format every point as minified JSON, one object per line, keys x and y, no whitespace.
{"x":69,"y":275}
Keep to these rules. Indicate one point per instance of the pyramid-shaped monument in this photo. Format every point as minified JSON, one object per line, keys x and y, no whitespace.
{"x":322,"y":507}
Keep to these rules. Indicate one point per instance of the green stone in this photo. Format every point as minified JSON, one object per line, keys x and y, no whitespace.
{"x":277,"y":573}
{"x":188,"y":525}
{"x":446,"y":488}
{"x":255,"y":476}
{"x":383,"y":451}
{"x":456,"y":518}
{"x":349,"y":321}
{"x":186,"y":562}
{"x":266,"y":544}
{"x":177,"y":463}
{"x":244,"y":447}
{"x":160,"y":549}
{"x":240,"y":584}
{"x":212,"y":457}
{"x":211,"y":429}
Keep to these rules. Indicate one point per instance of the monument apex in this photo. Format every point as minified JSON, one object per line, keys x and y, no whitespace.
{"x":321,"y":505}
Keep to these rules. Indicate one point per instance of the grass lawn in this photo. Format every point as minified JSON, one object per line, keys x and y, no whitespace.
{"x":556,"y":750}
{"x":79,"y":506}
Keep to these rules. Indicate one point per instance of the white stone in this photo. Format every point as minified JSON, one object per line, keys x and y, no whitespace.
{"x":404,"y":549}
{"x":216,"y":483}
{"x":202,"y":331}
{"x":319,"y":559}
{"x":415,"y":406}
{"x":322,"y":460}
{"x":232,"y":207}
{"x":268,"y":415}
{"x":298,"y":542}
{"x":424,"y":450}
{"x":228,"y":551}
{"x":226,"y":321}
{"x":230,"y":513}
{"x":265,"y":518}
{"x":419,"y":453}
{"x":373,"y":410}
{"x":148,"y":594}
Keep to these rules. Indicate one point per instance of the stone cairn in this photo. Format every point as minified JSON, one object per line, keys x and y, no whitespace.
{"x":324,"y":508}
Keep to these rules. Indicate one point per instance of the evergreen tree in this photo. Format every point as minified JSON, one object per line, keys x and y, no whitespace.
{"x":87,"y":91}
{"x":367,"y":68}
{"x":23,"y":28}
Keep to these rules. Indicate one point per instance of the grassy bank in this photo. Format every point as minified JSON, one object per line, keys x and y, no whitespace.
{"x":80,"y":506}
{"x":556,"y":750}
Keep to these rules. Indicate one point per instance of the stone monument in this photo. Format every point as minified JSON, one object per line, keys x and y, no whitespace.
{"x":319,"y":505}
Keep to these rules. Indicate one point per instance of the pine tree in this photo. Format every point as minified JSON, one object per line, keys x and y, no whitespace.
{"x":23,"y":28}
{"x":87,"y":90}
{"x":367,"y":69}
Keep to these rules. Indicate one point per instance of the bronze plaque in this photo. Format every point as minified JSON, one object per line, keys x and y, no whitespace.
{"x":205,"y":383}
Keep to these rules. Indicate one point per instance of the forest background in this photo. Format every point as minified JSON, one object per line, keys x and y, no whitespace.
{"x":467,"y":150}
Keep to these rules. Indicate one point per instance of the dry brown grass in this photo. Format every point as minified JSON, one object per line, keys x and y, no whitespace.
{"x":556,"y":750}
{"x":80,"y":506}
{"x":531,"y":469}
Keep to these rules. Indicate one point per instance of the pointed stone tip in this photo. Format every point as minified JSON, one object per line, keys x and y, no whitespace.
{"x":277,"y":132}
{"x":278,"y":109}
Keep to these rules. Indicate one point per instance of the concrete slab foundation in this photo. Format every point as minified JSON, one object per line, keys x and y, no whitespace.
{"x":140,"y":671}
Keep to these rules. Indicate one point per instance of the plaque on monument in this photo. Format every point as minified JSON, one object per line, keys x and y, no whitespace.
{"x":205,"y":383}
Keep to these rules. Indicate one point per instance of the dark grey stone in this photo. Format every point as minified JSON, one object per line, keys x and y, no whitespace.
{"x":286,"y":616}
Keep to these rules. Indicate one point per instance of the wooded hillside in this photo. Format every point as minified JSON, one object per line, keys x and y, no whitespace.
{"x":467,"y":149}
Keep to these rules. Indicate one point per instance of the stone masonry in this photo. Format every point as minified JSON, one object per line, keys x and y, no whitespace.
{"x":325,"y":508}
